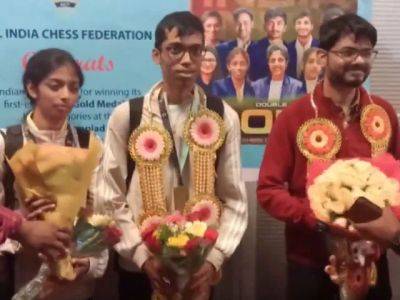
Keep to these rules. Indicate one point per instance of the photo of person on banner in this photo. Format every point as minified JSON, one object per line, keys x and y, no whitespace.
{"x":312,"y":69}
{"x":278,"y":86}
{"x":342,"y":111}
{"x":209,"y":70}
{"x":304,"y":26}
{"x":171,"y":168}
{"x":275,"y":25}
{"x":236,"y":86}
{"x":244,"y":25}
{"x":212,"y":23}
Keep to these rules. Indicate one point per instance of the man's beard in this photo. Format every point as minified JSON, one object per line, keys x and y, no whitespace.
{"x":346,"y":79}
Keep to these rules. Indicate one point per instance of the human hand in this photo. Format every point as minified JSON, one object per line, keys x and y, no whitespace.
{"x":36,"y":206}
{"x":383,"y":230}
{"x":81,"y":266}
{"x":44,"y":237}
{"x":203,"y":278}
{"x":159,"y":278}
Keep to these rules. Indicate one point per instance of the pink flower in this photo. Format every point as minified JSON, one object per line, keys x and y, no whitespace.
{"x":206,"y":211}
{"x":150,"y":145}
{"x":205,"y":131}
{"x":175,"y":218}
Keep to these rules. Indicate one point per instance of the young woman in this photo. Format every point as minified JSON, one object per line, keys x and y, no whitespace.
{"x":312,"y":69}
{"x":52,"y":81}
{"x":209,"y":69}
{"x":236,"y":85}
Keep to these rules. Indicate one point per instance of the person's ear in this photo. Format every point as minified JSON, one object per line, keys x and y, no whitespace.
{"x":31,"y":90}
{"x":156,"y":56}
{"x":322,"y":57}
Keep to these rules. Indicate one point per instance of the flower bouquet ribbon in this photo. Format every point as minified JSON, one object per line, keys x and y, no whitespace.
{"x":348,"y":190}
{"x":61,"y":173}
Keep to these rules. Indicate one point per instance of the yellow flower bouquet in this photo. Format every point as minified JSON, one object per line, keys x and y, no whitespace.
{"x":60,"y":173}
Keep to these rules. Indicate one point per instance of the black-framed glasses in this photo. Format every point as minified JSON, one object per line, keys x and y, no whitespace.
{"x":176,"y":51}
{"x":350,"y":54}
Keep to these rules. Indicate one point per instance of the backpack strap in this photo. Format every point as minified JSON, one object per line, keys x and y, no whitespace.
{"x":135,"y":116}
{"x":13,"y":141}
{"x":83,"y":137}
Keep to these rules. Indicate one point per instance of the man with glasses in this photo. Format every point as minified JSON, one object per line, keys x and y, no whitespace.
{"x":179,"y":44}
{"x":348,"y":45}
{"x":244,"y":25}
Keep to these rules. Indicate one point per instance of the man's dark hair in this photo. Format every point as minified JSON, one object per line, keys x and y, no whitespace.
{"x":242,"y":10}
{"x":211,"y":14}
{"x":330,"y":32}
{"x":273,"y":13}
{"x":302,"y":14}
{"x":186,"y":23}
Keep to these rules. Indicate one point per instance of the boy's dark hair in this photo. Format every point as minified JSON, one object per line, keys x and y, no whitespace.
{"x":242,"y":10}
{"x":331,"y":31}
{"x":211,"y":14}
{"x":302,"y":14}
{"x":273,"y":13}
{"x":186,"y":23}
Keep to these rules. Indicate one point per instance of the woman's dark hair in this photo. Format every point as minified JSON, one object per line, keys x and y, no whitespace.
{"x":186,"y":23}
{"x":46,"y":61}
{"x":331,"y":31}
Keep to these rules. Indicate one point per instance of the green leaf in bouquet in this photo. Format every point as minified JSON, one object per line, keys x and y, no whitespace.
{"x":164,"y":233}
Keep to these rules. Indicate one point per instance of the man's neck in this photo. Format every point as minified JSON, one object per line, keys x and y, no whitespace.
{"x":277,"y":41}
{"x":178,"y":95}
{"x":44,"y":124}
{"x":243,"y":42}
{"x":304,"y":40}
{"x":342,"y":96}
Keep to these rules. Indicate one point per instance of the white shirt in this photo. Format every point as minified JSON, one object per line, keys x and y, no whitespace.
{"x":300,"y":54}
{"x":27,"y":265}
{"x":275,"y":90}
{"x":128,"y":203}
{"x":310,"y":84}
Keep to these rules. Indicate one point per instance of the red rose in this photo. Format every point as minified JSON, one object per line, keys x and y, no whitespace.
{"x":153,"y":244}
{"x":204,"y":214}
{"x":149,"y":230}
{"x":211,"y":235}
{"x":193,"y":216}
{"x":193,"y":244}
{"x":112,"y":235}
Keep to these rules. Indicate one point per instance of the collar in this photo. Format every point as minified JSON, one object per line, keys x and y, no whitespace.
{"x":151,"y":98}
{"x":326,"y":106}
{"x":308,"y":45}
{"x":243,"y":45}
{"x":45,"y":134}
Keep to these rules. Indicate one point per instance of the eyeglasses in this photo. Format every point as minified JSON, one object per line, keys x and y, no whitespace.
{"x":177,"y":51}
{"x":350,"y":54}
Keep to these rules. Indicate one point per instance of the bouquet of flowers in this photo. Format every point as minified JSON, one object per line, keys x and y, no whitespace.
{"x":92,"y":235}
{"x":57,"y":172}
{"x":334,"y":188}
{"x":182,"y":242}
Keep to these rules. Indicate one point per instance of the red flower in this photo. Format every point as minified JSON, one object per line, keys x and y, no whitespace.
{"x":153,"y":244}
{"x":149,"y":230}
{"x":112,"y":235}
{"x":204,"y":213}
{"x":193,"y":216}
{"x":211,"y":235}
{"x":193,"y":244}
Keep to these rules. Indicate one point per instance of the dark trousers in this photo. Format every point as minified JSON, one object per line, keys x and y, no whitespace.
{"x":133,"y":286}
{"x":308,"y":283}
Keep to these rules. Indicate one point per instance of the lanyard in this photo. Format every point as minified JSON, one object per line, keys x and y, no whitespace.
{"x":178,"y":163}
